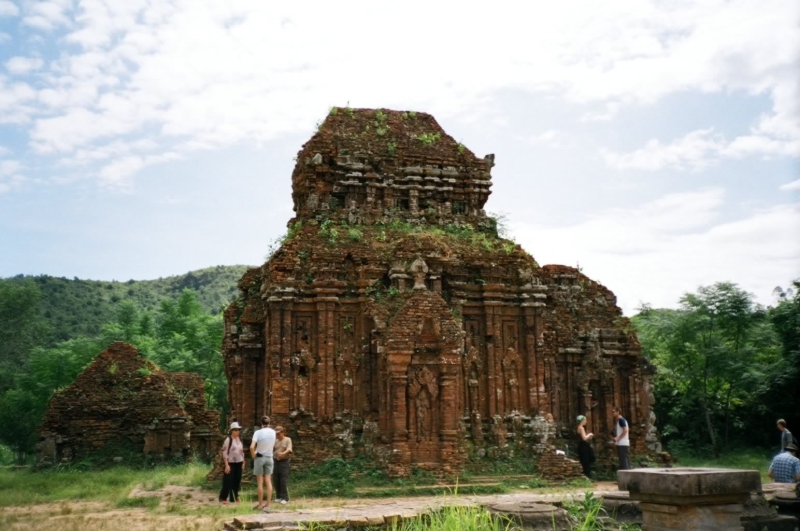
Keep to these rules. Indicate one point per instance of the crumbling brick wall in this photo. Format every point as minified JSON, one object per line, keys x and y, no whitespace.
{"x":122,"y":400}
{"x":394,"y":320}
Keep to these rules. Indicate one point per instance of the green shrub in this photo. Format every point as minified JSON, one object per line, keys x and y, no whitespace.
{"x":354,"y":235}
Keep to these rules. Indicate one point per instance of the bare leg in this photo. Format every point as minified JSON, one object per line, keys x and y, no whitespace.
{"x":268,"y":481}
{"x":260,"y":480}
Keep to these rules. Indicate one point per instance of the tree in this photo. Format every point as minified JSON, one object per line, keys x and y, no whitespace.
{"x":783,"y":392}
{"x":713,"y":357}
{"x":178,"y":337}
{"x":190,"y":340}
{"x":21,"y":329}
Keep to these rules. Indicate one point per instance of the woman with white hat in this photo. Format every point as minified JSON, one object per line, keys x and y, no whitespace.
{"x":233,"y":456}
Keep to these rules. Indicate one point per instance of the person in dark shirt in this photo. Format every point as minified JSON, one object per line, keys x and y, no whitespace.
{"x":786,"y":435}
{"x":585,"y":452}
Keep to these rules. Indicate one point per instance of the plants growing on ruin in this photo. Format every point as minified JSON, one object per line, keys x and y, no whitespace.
{"x":428,"y":139}
{"x":391,"y":147}
{"x":354,"y":235}
{"x":329,"y":232}
{"x":381,"y":125}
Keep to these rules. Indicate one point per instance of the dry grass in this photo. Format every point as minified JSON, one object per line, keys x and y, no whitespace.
{"x":66,"y":518}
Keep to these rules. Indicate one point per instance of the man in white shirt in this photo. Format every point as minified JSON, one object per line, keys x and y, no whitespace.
{"x":621,"y":440}
{"x":261,"y":452}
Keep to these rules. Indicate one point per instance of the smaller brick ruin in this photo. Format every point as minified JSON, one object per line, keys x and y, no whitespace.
{"x":123,"y":401}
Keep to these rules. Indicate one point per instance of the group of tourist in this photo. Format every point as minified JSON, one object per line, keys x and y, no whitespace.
{"x":271,"y":451}
{"x":621,"y":441}
{"x":785,"y":467}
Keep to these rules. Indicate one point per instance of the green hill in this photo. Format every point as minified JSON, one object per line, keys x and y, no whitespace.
{"x":78,"y":307}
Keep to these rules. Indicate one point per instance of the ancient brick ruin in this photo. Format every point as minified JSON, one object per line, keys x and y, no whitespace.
{"x":123,"y":402}
{"x":394,"y":321}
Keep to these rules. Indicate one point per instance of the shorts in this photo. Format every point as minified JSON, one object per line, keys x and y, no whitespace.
{"x":262,"y":466}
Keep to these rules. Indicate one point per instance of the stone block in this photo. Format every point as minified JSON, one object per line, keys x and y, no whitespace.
{"x":689,"y":486}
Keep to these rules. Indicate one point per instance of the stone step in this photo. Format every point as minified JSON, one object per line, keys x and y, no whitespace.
{"x":438,"y":486}
{"x":474,"y":481}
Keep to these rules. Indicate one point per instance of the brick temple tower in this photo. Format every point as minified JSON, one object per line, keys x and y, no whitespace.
{"x":394,"y":321}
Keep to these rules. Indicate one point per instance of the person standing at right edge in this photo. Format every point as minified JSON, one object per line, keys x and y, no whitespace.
{"x":621,"y":440}
{"x":786,"y":435}
{"x":261,"y":451}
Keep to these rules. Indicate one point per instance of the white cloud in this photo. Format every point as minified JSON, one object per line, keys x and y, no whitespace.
{"x":550,"y":138}
{"x":15,"y":102}
{"x":794,"y":185}
{"x":205,"y":73}
{"x":8,"y":167}
{"x":694,"y":151}
{"x":10,"y":178}
{"x":47,"y":15}
{"x":117,"y":173}
{"x":659,"y":250}
{"x":8,"y":9}
{"x":610,"y":111}
{"x":23,"y":65}
{"x":111,"y":150}
{"x":697,"y":150}
{"x":4,"y":37}
{"x":4,"y":150}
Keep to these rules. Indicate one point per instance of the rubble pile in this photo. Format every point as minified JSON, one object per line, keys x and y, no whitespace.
{"x":123,"y":402}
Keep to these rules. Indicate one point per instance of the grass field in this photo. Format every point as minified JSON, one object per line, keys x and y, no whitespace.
{"x":177,"y":498}
{"x":746,"y":459}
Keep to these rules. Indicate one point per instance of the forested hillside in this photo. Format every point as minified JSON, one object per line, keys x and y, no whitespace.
{"x":74,"y":308}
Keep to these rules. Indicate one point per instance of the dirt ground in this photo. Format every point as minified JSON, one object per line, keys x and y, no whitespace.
{"x":179,"y":509}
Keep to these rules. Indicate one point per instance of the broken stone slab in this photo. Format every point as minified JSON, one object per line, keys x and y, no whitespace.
{"x":533,"y":515}
{"x":622,"y":507}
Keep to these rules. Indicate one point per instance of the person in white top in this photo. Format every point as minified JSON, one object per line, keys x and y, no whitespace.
{"x":621,"y":440}
{"x":261,"y":452}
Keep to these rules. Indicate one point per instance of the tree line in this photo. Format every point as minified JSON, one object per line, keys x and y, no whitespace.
{"x":727,"y":368}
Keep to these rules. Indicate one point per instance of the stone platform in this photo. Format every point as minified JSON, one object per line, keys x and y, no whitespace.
{"x":535,"y":511}
{"x":688,"y":499}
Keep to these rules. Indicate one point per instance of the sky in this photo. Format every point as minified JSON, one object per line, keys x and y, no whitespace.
{"x":652,"y":144}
